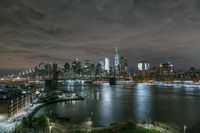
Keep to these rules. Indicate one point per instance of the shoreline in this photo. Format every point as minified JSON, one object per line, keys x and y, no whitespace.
{"x":79,"y":98}
{"x":126,"y":127}
{"x":9,"y":125}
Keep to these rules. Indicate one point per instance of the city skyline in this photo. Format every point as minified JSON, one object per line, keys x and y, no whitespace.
{"x":111,"y":63}
{"x":99,"y":66}
{"x":158,"y":31}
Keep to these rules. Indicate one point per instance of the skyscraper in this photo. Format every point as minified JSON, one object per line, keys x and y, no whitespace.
{"x":166,"y":69}
{"x":123,"y":66}
{"x":116,"y":58}
{"x":105,"y":64}
{"x":51,"y":71}
{"x":143,"y":67}
{"x":102,"y":64}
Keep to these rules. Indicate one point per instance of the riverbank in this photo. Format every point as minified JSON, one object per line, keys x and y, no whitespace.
{"x":125,"y":127}
{"x":44,"y":124}
{"x":132,"y":127}
{"x":44,"y":103}
{"x":8,"y":126}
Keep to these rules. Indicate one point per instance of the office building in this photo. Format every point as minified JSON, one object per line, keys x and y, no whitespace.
{"x":51,"y":71}
{"x":166,"y":71}
{"x":143,"y":67}
{"x":88,"y":68}
{"x":105,"y":64}
{"x":116,"y":59}
{"x":123,"y":66}
{"x":14,"y":100}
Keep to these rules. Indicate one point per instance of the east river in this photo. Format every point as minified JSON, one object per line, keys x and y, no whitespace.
{"x":105,"y":104}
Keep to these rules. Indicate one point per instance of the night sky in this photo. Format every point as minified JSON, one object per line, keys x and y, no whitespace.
{"x":34,"y":31}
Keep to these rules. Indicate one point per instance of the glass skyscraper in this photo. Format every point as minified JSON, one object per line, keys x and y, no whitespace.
{"x":116,"y":58}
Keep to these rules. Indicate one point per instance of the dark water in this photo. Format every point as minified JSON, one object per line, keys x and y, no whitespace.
{"x":106,"y":104}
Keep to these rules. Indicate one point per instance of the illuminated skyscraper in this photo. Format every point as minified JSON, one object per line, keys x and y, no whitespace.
{"x":105,"y":64}
{"x":143,"y":68}
{"x":116,"y":58}
{"x":143,"y":65}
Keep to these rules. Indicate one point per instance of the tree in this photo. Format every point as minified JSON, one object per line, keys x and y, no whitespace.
{"x":41,"y":123}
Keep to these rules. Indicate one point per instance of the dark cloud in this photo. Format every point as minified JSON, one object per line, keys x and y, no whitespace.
{"x":34,"y":31}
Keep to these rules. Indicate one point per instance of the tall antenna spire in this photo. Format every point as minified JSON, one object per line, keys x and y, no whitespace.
{"x":116,"y":50}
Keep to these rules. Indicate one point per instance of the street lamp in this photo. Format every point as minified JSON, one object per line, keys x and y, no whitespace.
{"x":50,"y":129}
{"x":49,"y":125}
{"x":184,"y":128}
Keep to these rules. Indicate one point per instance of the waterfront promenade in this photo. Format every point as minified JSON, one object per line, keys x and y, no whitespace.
{"x":8,"y":126}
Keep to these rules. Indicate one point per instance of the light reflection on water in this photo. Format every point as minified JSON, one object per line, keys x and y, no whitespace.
{"x":106,"y":104}
{"x":143,"y":102}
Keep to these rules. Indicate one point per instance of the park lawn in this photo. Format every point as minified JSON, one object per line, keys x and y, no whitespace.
{"x":138,"y":130}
